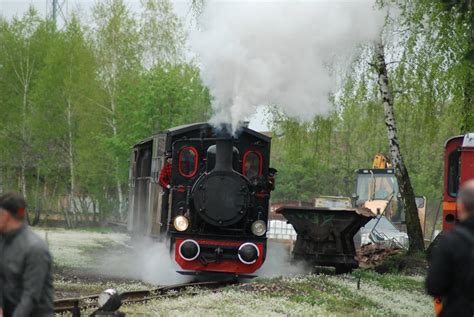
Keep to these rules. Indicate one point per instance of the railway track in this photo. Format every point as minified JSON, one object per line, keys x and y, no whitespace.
{"x":74,"y":306}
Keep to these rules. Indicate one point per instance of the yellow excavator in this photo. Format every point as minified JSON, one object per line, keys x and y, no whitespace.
{"x":377,"y":189}
{"x":328,"y":233}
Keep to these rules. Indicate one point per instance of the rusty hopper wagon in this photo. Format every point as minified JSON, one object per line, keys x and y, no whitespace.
{"x":326,"y":235}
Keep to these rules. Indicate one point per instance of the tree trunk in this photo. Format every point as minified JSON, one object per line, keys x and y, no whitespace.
{"x":71,"y":158}
{"x":94,"y":212}
{"x":117,"y":173}
{"x":38,"y":206}
{"x":415,"y":234}
{"x":23,"y":136}
{"x":64,"y":209}
{"x":23,"y":178}
{"x":120,"y":198}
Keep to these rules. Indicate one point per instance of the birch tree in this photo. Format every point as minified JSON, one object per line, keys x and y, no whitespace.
{"x":21,"y":60}
{"x":117,"y":48}
{"x":63,"y":96}
{"x":162,"y":33}
{"x":414,"y":231}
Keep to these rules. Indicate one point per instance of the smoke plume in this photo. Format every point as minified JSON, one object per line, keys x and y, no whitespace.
{"x":255,"y":53}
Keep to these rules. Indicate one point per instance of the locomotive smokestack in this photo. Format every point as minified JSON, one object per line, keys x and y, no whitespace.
{"x":224,"y":153}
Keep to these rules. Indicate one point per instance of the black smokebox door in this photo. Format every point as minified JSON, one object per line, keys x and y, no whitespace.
{"x":222,"y":198}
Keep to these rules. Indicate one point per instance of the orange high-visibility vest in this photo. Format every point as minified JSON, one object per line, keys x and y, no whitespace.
{"x":438,"y":305}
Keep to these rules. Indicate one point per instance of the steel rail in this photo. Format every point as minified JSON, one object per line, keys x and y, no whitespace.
{"x":75,"y":305}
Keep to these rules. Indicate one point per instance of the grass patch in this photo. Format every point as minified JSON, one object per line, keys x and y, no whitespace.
{"x":336,"y":298}
{"x":96,"y":229}
{"x":414,"y":264}
{"x":80,"y":288}
{"x":317,"y":290}
{"x":224,"y":303}
{"x":391,"y":281}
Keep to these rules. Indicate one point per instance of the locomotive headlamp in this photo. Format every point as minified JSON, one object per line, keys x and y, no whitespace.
{"x":181,"y":223}
{"x":258,"y":228}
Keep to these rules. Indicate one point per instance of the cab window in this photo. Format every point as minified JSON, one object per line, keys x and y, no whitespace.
{"x":252,"y":164}
{"x":453,"y":173}
{"x":188,"y":161}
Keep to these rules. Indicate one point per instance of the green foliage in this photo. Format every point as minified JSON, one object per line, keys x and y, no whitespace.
{"x":75,"y":100}
{"x":430,"y":69}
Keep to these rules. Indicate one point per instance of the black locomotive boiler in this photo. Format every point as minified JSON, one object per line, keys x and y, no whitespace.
{"x":215,"y":212}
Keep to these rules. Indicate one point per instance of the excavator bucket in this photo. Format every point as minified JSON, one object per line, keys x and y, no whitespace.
{"x":326,"y":235}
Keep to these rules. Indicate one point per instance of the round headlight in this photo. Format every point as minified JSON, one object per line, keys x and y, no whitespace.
{"x":181,"y":223}
{"x":258,"y":228}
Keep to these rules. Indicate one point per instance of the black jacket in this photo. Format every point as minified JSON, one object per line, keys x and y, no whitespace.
{"x":26,"y":287}
{"x":451,"y":270}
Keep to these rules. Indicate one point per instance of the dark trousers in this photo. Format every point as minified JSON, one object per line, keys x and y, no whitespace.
{"x":8,"y":308}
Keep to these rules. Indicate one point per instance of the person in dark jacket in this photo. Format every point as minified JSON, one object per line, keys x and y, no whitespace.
{"x":451,"y":263}
{"x":26,"y":287}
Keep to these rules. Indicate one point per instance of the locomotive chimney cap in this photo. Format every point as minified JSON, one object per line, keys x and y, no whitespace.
{"x":223,"y":131}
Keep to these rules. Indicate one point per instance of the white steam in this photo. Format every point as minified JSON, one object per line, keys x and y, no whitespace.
{"x":277,"y":53}
{"x":146,"y":260}
{"x":150,"y":261}
{"x":279,"y":262}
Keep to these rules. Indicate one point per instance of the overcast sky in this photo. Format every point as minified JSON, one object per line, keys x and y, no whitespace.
{"x":10,"y":8}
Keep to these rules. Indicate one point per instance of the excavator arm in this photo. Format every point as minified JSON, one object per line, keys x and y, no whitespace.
{"x":381,"y":161}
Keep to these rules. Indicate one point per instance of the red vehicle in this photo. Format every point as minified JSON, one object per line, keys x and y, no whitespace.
{"x":458,"y":168}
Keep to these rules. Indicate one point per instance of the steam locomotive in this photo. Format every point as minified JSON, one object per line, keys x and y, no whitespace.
{"x":216,"y":210}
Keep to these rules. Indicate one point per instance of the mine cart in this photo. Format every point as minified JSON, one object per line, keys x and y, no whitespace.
{"x":326,"y":235}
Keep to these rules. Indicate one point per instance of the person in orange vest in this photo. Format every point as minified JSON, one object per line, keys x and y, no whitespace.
{"x":450,"y":276}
